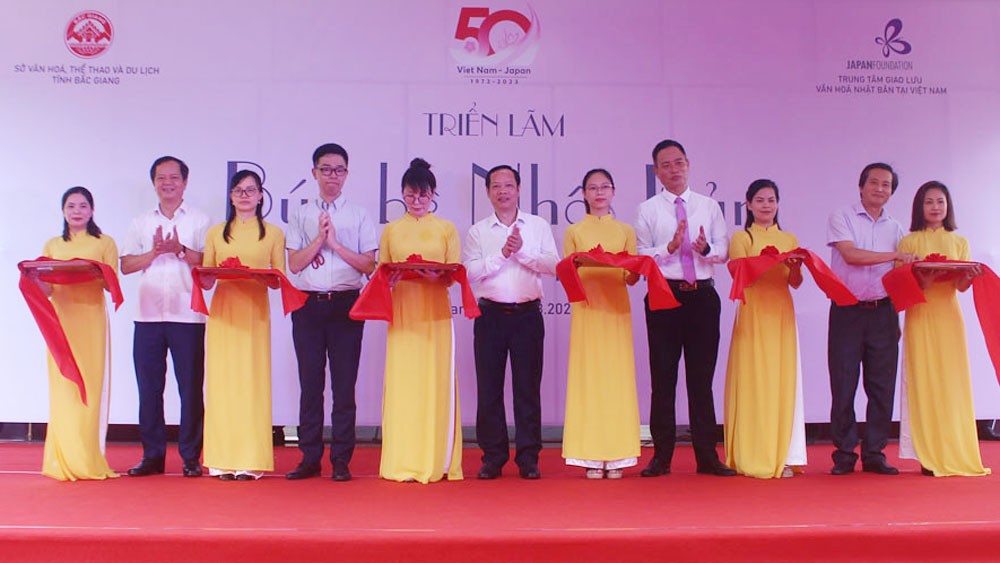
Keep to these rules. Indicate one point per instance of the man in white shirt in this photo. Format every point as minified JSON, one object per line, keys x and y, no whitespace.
{"x":506,"y":255}
{"x":164,"y":243}
{"x":686,"y":234}
{"x":331,"y":247}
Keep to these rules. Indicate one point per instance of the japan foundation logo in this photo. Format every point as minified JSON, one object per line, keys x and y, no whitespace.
{"x":891,"y":42}
{"x":495,"y":41}
{"x":89,"y":34}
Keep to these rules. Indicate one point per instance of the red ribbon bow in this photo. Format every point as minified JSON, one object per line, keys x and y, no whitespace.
{"x":45,"y":314}
{"x":231,"y":268}
{"x":660,"y":296}
{"x":745,"y":272}
{"x":902,"y":286}
{"x":375,"y":301}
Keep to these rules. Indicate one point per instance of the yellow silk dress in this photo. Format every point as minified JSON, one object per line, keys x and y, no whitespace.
{"x":238,"y":352}
{"x":421,"y":425}
{"x":760,"y":392}
{"x":73,"y":445}
{"x":602,"y":410}
{"x":938,"y":389}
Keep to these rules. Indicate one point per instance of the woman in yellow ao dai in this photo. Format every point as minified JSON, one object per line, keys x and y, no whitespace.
{"x":74,"y":440}
{"x":421,"y":424}
{"x":764,"y":424}
{"x":601,"y":431}
{"x":238,"y":438}
{"x":938,"y":425}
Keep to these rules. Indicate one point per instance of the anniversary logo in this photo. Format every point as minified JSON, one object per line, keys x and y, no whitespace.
{"x":495,"y":46}
{"x":88,"y":35}
{"x":892,"y":75}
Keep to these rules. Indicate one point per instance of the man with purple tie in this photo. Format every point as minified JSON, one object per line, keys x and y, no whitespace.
{"x":686,"y":234}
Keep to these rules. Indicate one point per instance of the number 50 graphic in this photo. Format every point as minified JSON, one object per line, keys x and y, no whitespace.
{"x":483,"y":44}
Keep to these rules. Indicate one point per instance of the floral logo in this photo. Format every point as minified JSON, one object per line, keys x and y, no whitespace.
{"x":890,"y":41}
{"x":498,"y":37}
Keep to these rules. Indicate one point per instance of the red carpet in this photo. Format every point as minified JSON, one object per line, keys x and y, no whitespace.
{"x":679,"y":517}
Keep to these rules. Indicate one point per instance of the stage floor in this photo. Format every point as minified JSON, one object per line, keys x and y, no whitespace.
{"x":682,"y":516}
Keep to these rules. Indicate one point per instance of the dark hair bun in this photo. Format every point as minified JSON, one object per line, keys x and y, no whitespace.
{"x":420,"y":163}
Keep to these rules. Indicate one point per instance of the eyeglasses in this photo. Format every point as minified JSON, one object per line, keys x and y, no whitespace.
{"x":593,"y":188}
{"x":249,"y":192}
{"x":339,"y":171}
{"x":410,"y":198}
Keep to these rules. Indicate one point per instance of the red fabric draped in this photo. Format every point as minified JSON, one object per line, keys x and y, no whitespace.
{"x":63,"y":272}
{"x":660,"y":296}
{"x":232,"y":269}
{"x":902,"y":286}
{"x":745,"y":272}
{"x":375,"y":301}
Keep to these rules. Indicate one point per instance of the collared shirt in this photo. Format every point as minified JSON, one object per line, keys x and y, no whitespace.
{"x":355,"y":230}
{"x":853,"y":223}
{"x":657,"y":222}
{"x":515,"y":279}
{"x":165,"y":286}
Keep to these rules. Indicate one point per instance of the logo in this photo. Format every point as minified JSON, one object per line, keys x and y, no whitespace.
{"x":500,"y":43}
{"x":890,"y":41}
{"x":89,"y":34}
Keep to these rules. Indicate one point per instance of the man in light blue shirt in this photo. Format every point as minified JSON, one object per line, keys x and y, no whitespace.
{"x":331,"y":247}
{"x":863,"y":239}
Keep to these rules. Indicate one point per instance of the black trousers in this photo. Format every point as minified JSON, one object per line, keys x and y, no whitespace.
{"x":321,"y":331}
{"x":499,"y":333}
{"x":186,"y":344}
{"x":868,"y":337}
{"x":691,"y":329}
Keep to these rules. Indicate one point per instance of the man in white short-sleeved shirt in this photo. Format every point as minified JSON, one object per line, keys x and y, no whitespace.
{"x":163,"y":244}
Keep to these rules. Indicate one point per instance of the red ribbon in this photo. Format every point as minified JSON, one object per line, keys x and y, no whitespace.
{"x":232,"y":269}
{"x":660,"y":296}
{"x":902,"y":286}
{"x":746,"y":271}
{"x":45,"y":314}
{"x":375,"y":301}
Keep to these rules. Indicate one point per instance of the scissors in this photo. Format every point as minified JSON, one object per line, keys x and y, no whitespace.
{"x":318,"y":261}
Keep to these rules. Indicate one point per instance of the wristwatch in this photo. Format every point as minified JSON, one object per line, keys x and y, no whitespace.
{"x":183,"y":252}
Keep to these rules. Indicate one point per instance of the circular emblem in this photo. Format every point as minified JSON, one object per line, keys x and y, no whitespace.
{"x":89,"y":34}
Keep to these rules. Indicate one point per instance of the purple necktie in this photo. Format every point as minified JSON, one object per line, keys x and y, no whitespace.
{"x":687,"y":258}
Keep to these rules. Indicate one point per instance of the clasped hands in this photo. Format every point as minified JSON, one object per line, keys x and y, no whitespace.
{"x":171,"y":244}
{"x":513,"y":242}
{"x":698,"y":245}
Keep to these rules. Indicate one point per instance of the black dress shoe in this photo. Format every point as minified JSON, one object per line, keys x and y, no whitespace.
{"x":842,"y":468}
{"x":880,"y":467}
{"x":340,"y":471}
{"x":925,"y":471}
{"x":148,"y":466}
{"x":530,"y":472}
{"x":192,"y":468}
{"x":227,"y":477}
{"x":718,"y":469}
{"x":656,"y":468}
{"x":305,"y":470}
{"x":246,"y":477}
{"x":489,"y":472}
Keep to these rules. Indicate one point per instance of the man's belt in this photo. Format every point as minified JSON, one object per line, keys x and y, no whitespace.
{"x":884,"y":302}
{"x":510,"y":308}
{"x":332,"y":295}
{"x":681,"y":285}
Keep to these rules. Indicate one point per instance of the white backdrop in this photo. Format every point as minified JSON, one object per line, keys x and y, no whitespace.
{"x":798,"y":91}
